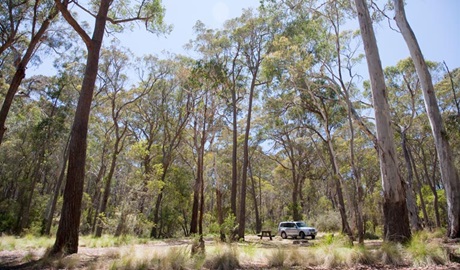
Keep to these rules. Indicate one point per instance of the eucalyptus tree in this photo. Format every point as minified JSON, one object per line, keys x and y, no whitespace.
{"x":158,"y":125}
{"x":317,"y":31}
{"x":284,"y":121}
{"x":205,"y":82}
{"x":396,"y":227}
{"x":114,"y":97}
{"x":449,"y":172}
{"x":405,"y":105}
{"x":221,"y":47}
{"x":149,"y":12}
{"x":298,"y":66}
{"x":253,"y":33}
{"x":16,"y":16}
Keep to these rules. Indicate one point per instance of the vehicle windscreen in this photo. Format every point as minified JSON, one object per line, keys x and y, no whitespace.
{"x":301,"y":224}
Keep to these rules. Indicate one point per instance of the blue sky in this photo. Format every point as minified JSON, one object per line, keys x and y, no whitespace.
{"x":436,"y":24}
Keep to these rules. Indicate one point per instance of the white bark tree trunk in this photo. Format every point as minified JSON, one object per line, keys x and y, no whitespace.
{"x":396,"y":227}
{"x":449,"y":173}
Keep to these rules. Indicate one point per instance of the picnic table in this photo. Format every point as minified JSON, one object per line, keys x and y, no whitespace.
{"x":265,"y":233}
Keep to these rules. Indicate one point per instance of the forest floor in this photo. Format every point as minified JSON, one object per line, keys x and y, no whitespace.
{"x":254,"y":253}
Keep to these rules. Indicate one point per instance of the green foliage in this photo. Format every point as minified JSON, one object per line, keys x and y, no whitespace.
{"x":229,"y":225}
{"x":328,"y":222}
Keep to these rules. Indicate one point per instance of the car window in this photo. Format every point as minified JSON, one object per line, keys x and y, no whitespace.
{"x":301,"y":224}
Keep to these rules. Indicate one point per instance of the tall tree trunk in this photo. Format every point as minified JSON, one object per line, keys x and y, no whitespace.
{"x":106,"y":194}
{"x":410,"y":196}
{"x":430,"y":179}
{"x":254,"y":198}
{"x":338,"y":179}
{"x":220,"y":210}
{"x":449,"y":173}
{"x":197,"y":193}
{"x":155,"y":232}
{"x":419,"y":191}
{"x":234,"y":188}
{"x":396,"y":227}
{"x":69,"y":224}
{"x":244,"y":170}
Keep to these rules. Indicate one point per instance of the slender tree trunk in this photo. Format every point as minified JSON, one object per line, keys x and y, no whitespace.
{"x":254,"y":198}
{"x":69,"y":224}
{"x":338,"y":179}
{"x":396,"y":227}
{"x":244,"y":171}
{"x":449,"y":173}
{"x":426,"y":218}
{"x":430,"y":179}
{"x":106,"y":194}
{"x":57,"y":191}
{"x":234,"y":188}
{"x":410,"y":196}
{"x":295,"y":192}
{"x":197,"y":193}
{"x":155,"y":232}
{"x":121,"y":227}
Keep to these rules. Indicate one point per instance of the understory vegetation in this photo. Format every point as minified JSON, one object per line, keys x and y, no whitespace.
{"x":327,"y":251}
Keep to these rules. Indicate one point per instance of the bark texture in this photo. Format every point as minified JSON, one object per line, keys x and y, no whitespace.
{"x":396,"y":221}
{"x":69,"y":224}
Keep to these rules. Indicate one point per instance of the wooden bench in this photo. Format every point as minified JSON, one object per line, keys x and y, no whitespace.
{"x":266,"y":234}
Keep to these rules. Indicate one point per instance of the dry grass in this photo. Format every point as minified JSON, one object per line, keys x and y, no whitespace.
{"x":324,"y":252}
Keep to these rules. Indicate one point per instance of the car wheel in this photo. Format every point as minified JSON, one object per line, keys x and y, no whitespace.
{"x":283,"y":235}
{"x":302,"y":235}
{"x":312,"y":237}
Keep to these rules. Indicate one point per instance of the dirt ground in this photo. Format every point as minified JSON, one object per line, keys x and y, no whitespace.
{"x":100,"y":258}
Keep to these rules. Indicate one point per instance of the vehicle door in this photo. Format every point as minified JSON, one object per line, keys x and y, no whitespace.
{"x":291,"y":229}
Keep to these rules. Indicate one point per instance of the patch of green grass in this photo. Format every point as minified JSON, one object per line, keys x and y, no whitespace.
{"x":24,"y":243}
{"x":425,"y":253}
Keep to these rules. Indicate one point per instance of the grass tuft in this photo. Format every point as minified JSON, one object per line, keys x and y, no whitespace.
{"x":177,"y":258}
{"x":226,"y":258}
{"x":425,"y":253}
{"x":390,"y":253}
{"x":277,"y":258}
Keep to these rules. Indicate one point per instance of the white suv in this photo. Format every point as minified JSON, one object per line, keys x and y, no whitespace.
{"x":296,"y":228}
